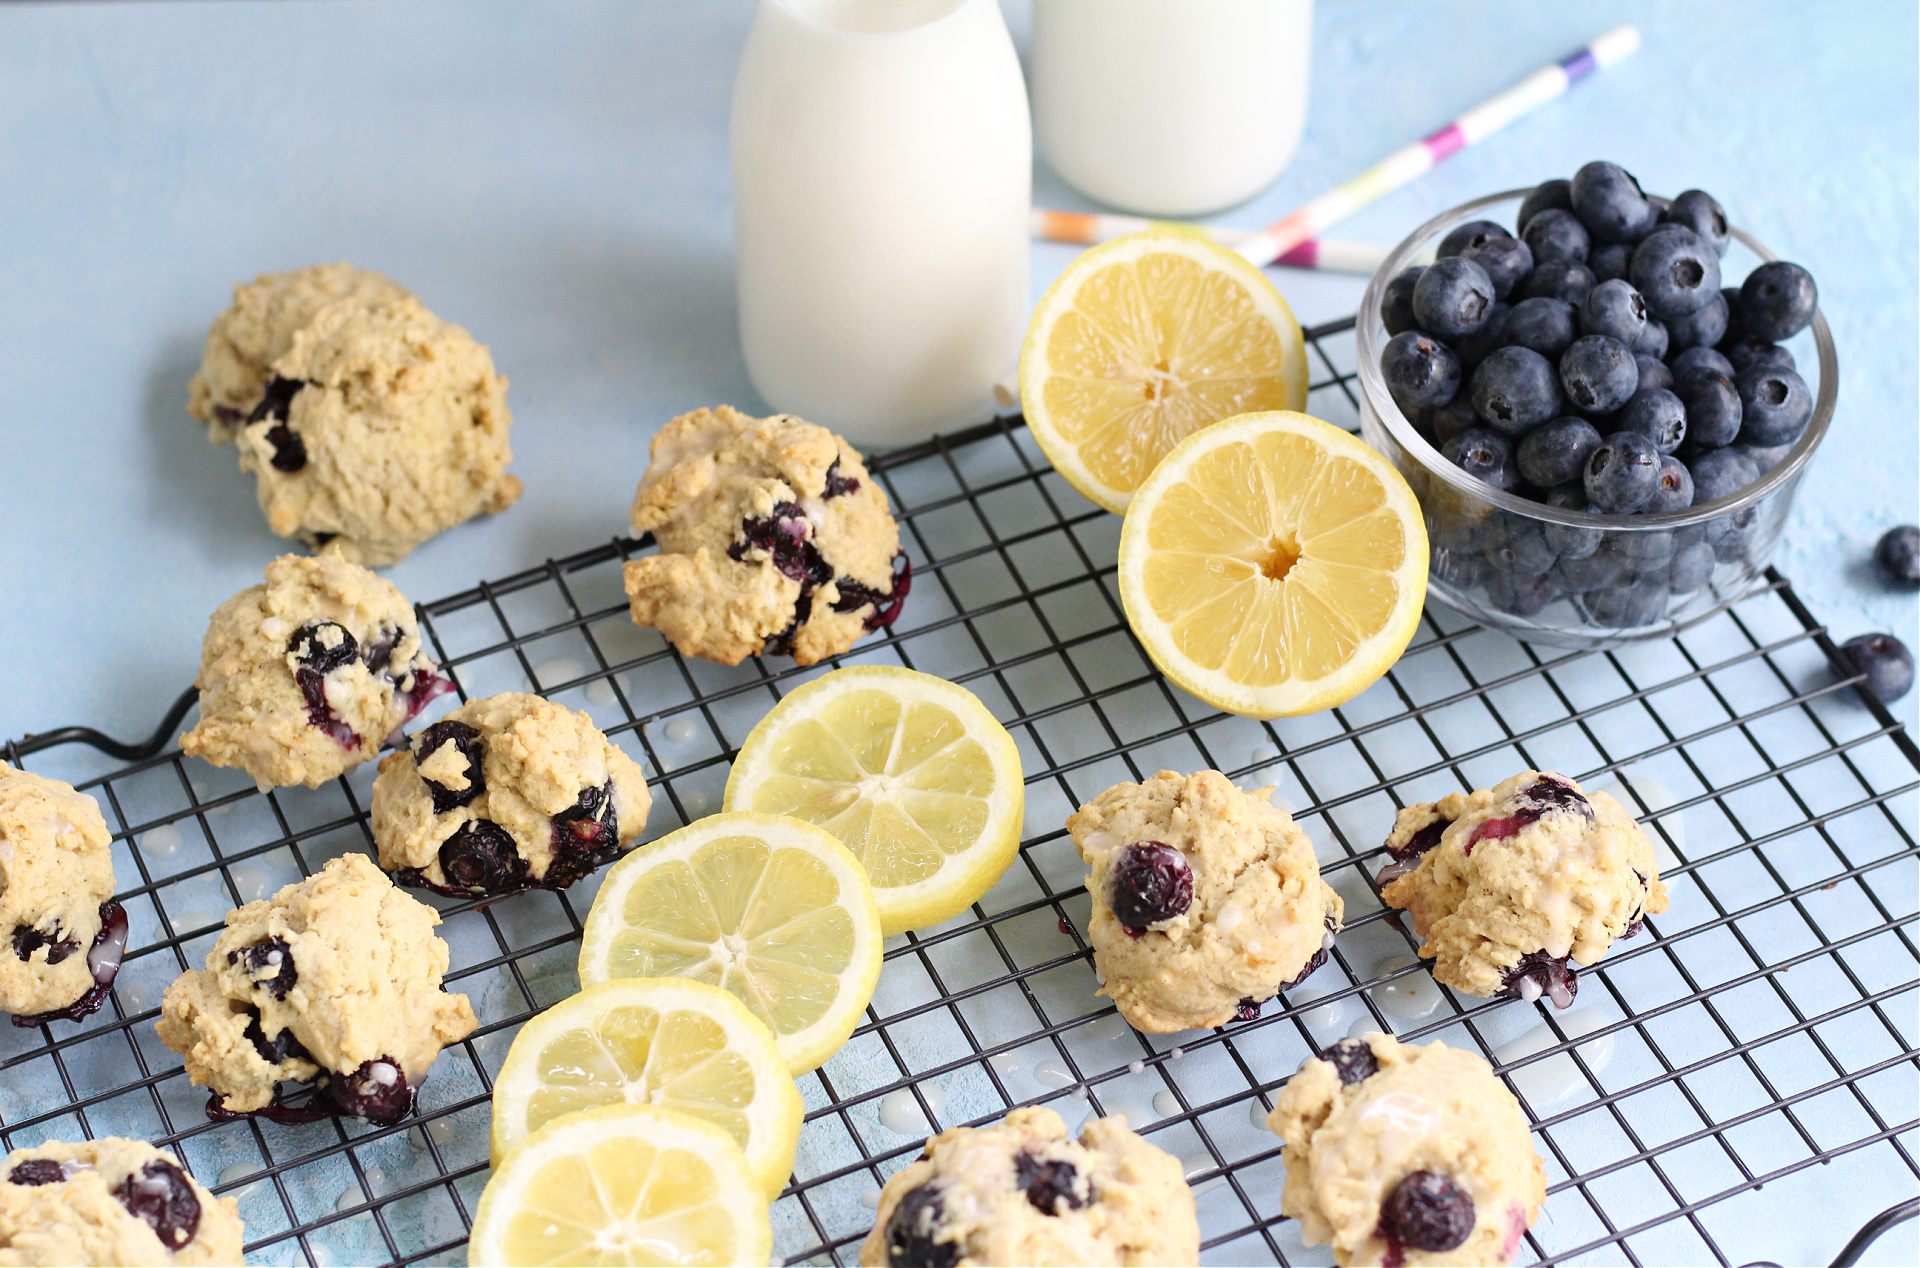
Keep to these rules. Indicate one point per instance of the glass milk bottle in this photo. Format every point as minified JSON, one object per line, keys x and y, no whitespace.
{"x":1170,"y":107}
{"x":882,"y":171}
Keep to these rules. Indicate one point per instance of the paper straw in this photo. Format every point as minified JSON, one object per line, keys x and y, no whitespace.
{"x":1087,"y":228}
{"x":1422,"y":156}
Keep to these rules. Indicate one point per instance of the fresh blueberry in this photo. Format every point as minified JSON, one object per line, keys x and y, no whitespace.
{"x":1049,"y":1183}
{"x":1704,"y":327}
{"x":1517,"y":594}
{"x":1653,"y":373}
{"x":1421,"y":371}
{"x":1150,"y":882}
{"x":916,"y":1222}
{"x":1353,"y":1059}
{"x":1578,"y":576}
{"x":1885,"y":661}
{"x":1569,"y":542}
{"x":1692,"y":567}
{"x":1643,"y":551}
{"x":1660,"y":417}
{"x":1464,"y":238}
{"x":1625,"y":604}
{"x":1697,"y":210}
{"x":1557,"y":451}
{"x":1765,"y":457}
{"x":1700,"y":358}
{"x":1653,"y":339}
{"x":1555,"y":235}
{"x":1506,"y":260}
{"x":1426,"y":1211}
{"x":1452,"y":418}
{"x":36,"y":1171}
{"x":1777,"y":301}
{"x":1720,"y":473}
{"x":1775,"y":406}
{"x":1452,"y":298}
{"x":1614,"y":308}
{"x":1516,"y":545}
{"x":1558,"y":279}
{"x":377,"y":1091}
{"x":160,"y":1194}
{"x":466,"y":741}
{"x":1598,"y":373}
{"x":1610,"y":203}
{"x":480,"y":859}
{"x":1483,"y":454}
{"x":1396,"y":300}
{"x":269,"y":965}
{"x":1676,"y":272}
{"x":1474,"y":348}
{"x":1610,"y":261}
{"x":1735,"y":334}
{"x":1547,"y":194}
{"x":1712,"y":404}
{"x":1898,"y":554}
{"x":1544,"y":324}
{"x":1745,"y":355}
{"x":1622,"y":474}
{"x":1514,"y":390}
{"x":1675,"y":491}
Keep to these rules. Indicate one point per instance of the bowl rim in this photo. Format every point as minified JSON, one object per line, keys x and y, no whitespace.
{"x":1369,"y":334}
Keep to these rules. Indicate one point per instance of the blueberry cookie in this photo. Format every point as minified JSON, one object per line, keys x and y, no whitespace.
{"x":1206,"y":899}
{"x":503,"y":794}
{"x":369,"y":422}
{"x":772,"y":536}
{"x":56,"y":890}
{"x":1504,"y":886}
{"x":335,"y":982}
{"x":110,"y":1201}
{"x":303,"y":678}
{"x":1406,"y":1154}
{"x":1023,"y":1192}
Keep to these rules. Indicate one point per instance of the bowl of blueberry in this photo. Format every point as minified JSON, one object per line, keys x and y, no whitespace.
{"x":1605,"y":409}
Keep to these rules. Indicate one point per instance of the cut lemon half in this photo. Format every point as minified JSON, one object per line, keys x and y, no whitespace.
{"x":674,"y":1042}
{"x":1143,"y":341}
{"x":1274,"y":565}
{"x":772,"y":910}
{"x":623,"y":1184}
{"x":912,"y":772}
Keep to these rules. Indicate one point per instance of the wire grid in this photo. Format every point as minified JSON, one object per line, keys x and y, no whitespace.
{"x":1762,"y":1026}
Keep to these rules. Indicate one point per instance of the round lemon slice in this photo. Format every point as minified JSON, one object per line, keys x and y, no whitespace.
{"x":674,"y":1042}
{"x":771,"y":909}
{"x":623,"y":1184}
{"x":911,"y":771}
{"x":1274,"y":565}
{"x":1143,"y":341}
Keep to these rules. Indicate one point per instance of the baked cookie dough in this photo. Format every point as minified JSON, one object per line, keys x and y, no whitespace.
{"x":772,"y":536}
{"x":336,"y":981}
{"x":303,"y":678}
{"x":1023,"y":1192}
{"x":66,"y":934}
{"x":1505,"y":886}
{"x":1406,"y":1154}
{"x":1206,"y":899}
{"x":503,"y":794}
{"x":111,"y":1202}
{"x":370,"y":423}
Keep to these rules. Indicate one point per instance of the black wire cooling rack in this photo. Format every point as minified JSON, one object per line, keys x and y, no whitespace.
{"x":1736,"y":1084}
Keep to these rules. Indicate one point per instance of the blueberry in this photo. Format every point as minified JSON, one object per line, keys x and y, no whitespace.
{"x":466,"y":740}
{"x":1675,"y":490}
{"x":1598,"y":373}
{"x":27,"y":940}
{"x":1765,"y":457}
{"x":289,"y":451}
{"x":1610,"y":203}
{"x":1578,"y":576}
{"x":917,"y":1220}
{"x":1730,"y":295}
{"x":1691,"y":568}
{"x":886,"y":605}
{"x":1474,"y":348}
{"x":1506,"y":260}
{"x":1898,"y":554}
{"x":1659,"y":416}
{"x":1610,"y":261}
{"x":1646,"y":551}
{"x":1745,"y":355}
{"x":1885,"y":661}
{"x":1460,"y":570}
{"x":1625,"y":604}
{"x":1676,"y":272}
{"x":1427,"y":1211}
{"x":1517,"y":594}
{"x":1547,"y":194}
{"x":1720,"y":473}
{"x":1485,"y":455}
{"x":480,"y":859}
{"x":377,"y":1091}
{"x":1653,"y":339}
{"x":1704,"y":327}
{"x":1777,"y":301}
{"x":1569,"y":542}
{"x":161,"y":1195}
{"x":787,"y":538}
{"x":1556,"y":452}
{"x":283,"y":1045}
{"x":323,"y":646}
{"x":1353,"y":1059}
{"x":1514,"y":390}
{"x":1700,"y":358}
{"x":1557,"y":279}
{"x":1452,"y":418}
{"x":1622,"y":473}
{"x":1452,"y":298}
{"x":1516,"y":545}
{"x":1538,"y":973}
{"x":37,"y":1171}
{"x":1396,"y":300}
{"x":1544,"y":324}
{"x":1653,"y":372}
{"x":1712,"y":404}
{"x":836,"y":485}
{"x":1614,"y":308}
{"x":269,"y":965}
{"x":1555,"y":236}
{"x":1775,"y":406}
{"x":1473,"y":233}
{"x":1049,"y":1183}
{"x":1698,"y":211}
{"x":584,"y":836}
{"x":1150,"y":882}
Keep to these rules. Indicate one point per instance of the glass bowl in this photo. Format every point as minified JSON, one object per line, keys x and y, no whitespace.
{"x":1636,"y":554}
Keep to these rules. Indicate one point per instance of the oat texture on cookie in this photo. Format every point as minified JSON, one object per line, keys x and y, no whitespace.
{"x":1508,"y":888}
{"x":1023,"y":1191}
{"x":64,"y":933}
{"x":335,"y":981}
{"x":304,"y":677}
{"x":506,"y":793}
{"x":370,"y":424}
{"x":111,"y":1201}
{"x":773,"y":537}
{"x":1206,"y":899}
{"x":1406,"y":1154}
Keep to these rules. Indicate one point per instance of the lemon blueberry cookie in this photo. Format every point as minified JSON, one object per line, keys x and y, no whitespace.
{"x":1506,"y":886}
{"x":304,"y":677}
{"x":772,"y":536}
{"x":1206,"y":899}
{"x":1022,"y":1191}
{"x":335,"y":981}
{"x":369,"y":422}
{"x":503,"y":794}
{"x":110,"y":1201}
{"x":1406,"y":1154}
{"x":56,"y":891}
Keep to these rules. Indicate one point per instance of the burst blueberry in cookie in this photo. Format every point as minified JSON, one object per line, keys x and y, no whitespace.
{"x":112,"y":1200}
{"x":66,"y":935}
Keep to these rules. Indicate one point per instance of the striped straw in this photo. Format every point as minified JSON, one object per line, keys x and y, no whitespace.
{"x":1087,"y":228}
{"x":1422,"y":156}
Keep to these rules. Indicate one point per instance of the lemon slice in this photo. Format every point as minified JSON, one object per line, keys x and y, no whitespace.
{"x":771,"y":909}
{"x":911,"y":771}
{"x":1143,"y":341}
{"x":623,"y":1184}
{"x":657,"y":1041}
{"x":1274,"y":565}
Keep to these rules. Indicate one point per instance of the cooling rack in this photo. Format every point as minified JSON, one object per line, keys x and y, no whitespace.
{"x":1735,"y":1084}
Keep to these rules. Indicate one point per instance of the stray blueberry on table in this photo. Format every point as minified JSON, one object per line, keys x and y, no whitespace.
{"x":1049,"y":1183}
{"x":1676,"y":272}
{"x":1483,"y":454}
{"x":911,"y":1229}
{"x":1463,"y":238}
{"x":1557,"y":451}
{"x":1555,"y":236}
{"x":1555,"y":194}
{"x":1353,"y":1059}
{"x":1421,"y":371}
{"x":1544,"y":324}
{"x":1898,"y":554}
{"x":1675,"y":489}
{"x":1777,"y":301}
{"x":1452,"y":298}
{"x":1719,"y":473}
{"x":1427,"y":1211}
{"x":1567,"y":541}
{"x":1614,"y":308}
{"x":1775,"y":406}
{"x":1653,"y":373}
{"x":465,"y":740}
{"x":1622,"y":473}
{"x":1558,"y":279}
{"x":161,"y":1195}
{"x":1599,"y":374}
{"x":1885,"y":661}
{"x":37,"y":1171}
{"x":1704,"y":327}
{"x":1610,"y":203}
{"x":1150,"y":882}
{"x":1659,"y":416}
{"x":1514,"y":390}
{"x":1506,"y":260}
{"x":1697,"y":210}
{"x":1609,"y":261}
{"x":1396,"y":300}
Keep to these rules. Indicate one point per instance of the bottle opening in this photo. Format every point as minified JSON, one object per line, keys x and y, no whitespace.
{"x":874,"y":17}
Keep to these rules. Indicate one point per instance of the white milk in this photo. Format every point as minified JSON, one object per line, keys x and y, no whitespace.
{"x":1170,"y":107}
{"x":882,"y":169}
